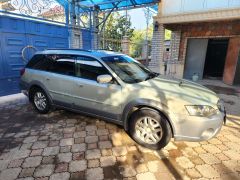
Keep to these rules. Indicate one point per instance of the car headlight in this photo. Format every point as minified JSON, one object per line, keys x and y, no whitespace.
{"x":200,"y":110}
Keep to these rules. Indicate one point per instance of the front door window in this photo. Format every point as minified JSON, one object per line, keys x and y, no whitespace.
{"x":89,"y":68}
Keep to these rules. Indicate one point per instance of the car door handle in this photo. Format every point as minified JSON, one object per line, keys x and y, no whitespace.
{"x":47,"y":79}
{"x":80,"y":85}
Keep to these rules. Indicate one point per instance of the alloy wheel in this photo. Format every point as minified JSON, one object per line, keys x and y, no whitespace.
{"x":149,"y":130}
{"x":40,"y":101}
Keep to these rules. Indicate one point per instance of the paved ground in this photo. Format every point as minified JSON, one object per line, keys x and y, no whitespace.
{"x":64,"y":145}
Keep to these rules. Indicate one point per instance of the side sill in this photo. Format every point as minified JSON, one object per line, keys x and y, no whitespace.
{"x":89,"y":114}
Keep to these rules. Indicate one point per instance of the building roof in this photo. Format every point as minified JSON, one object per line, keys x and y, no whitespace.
{"x":57,"y":10}
{"x":109,"y":4}
{"x":6,"y":5}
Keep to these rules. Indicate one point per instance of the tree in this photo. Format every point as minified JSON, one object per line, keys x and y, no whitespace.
{"x":116,"y":27}
{"x":138,"y":41}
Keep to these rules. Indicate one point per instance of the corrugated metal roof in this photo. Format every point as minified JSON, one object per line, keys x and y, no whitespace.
{"x":109,"y":4}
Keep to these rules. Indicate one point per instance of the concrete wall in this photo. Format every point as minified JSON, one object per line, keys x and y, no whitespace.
{"x":190,"y":6}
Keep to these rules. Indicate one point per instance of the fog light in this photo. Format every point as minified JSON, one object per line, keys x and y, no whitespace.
{"x":208,"y":133}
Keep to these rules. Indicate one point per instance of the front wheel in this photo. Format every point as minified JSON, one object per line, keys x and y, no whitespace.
{"x":40,"y":101}
{"x":150,"y":129}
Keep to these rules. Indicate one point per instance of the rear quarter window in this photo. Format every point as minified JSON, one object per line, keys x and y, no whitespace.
{"x":36,"y":61}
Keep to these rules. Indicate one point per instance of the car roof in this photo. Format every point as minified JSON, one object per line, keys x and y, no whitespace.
{"x":92,"y":53}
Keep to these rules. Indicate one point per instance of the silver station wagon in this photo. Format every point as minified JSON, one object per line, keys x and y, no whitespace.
{"x":152,"y":108}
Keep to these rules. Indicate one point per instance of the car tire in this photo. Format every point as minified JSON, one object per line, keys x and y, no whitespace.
{"x":150,"y":129}
{"x":40,"y":100}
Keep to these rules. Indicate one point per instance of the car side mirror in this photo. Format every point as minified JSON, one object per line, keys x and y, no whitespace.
{"x":104,"y":79}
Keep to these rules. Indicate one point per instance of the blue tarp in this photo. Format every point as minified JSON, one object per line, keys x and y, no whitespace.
{"x":109,"y":4}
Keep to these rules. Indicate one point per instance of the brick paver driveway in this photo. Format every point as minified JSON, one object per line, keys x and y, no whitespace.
{"x":65,"y":145}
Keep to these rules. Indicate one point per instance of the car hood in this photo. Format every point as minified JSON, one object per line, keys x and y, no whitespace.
{"x":186,"y":90}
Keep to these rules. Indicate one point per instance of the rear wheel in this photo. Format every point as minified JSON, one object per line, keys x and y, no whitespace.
{"x":40,"y":100}
{"x":150,"y":129}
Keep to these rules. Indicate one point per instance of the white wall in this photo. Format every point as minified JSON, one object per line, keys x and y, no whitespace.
{"x":188,"y":6}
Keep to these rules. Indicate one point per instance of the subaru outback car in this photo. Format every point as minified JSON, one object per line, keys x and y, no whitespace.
{"x":152,"y":108}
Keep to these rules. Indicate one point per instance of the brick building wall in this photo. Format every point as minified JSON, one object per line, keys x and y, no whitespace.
{"x":220,"y":29}
{"x":205,"y":30}
{"x":232,"y":60}
{"x":156,"y":63}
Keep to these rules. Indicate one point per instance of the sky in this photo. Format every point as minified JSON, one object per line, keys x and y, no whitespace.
{"x":138,"y":18}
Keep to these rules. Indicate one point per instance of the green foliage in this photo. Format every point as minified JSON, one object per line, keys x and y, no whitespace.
{"x":137,"y":41}
{"x":118,"y":26}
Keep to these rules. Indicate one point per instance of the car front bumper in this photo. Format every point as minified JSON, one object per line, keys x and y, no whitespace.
{"x":192,"y":128}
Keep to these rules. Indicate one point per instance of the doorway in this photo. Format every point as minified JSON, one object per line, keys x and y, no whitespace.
{"x":195,"y":57}
{"x":215,"y":58}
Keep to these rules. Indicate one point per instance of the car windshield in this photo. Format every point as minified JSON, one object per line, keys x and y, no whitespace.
{"x":128,"y":69}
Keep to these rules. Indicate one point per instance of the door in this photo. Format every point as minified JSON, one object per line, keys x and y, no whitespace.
{"x":12,"y":45}
{"x":195,"y":58}
{"x":215,"y":58}
{"x":91,"y":96}
{"x":57,"y":75}
{"x":16,"y":34}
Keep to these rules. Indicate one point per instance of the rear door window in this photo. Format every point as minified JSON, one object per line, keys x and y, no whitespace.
{"x":62,"y":64}
{"x":36,"y":61}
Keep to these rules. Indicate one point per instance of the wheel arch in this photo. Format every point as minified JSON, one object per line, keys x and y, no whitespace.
{"x":37,"y":84}
{"x":141,"y":104}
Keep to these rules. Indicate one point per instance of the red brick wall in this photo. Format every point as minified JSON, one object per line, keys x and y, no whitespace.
{"x":205,"y":29}
{"x":229,"y":29}
{"x":231,"y":60}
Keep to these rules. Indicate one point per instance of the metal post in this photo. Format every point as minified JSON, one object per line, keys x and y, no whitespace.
{"x":73,"y":13}
{"x":94,"y":27}
{"x":147,"y":14}
{"x":67,"y":24}
{"x":67,"y":15}
{"x":103,"y":33}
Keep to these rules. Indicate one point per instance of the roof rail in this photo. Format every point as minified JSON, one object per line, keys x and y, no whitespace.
{"x":74,"y":49}
{"x":104,"y":49}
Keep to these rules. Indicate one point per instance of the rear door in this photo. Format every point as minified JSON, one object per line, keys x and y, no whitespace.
{"x":55,"y":72}
{"x":60,"y":79}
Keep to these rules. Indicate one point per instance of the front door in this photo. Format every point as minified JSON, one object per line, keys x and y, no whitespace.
{"x":91,"y":96}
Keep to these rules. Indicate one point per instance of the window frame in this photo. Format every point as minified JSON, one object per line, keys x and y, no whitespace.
{"x":48,"y":69}
{"x":74,"y":57}
{"x":114,"y":81}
